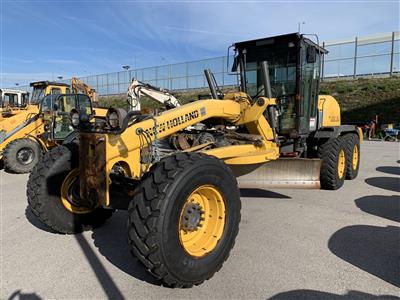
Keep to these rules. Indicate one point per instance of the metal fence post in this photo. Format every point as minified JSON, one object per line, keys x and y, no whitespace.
{"x":156,"y":70}
{"x":355,"y":57}
{"x":107,"y":84}
{"x":187,"y":75}
{"x":323,"y":63}
{"x":392,"y":55}
{"x":170,"y":76}
{"x":223,"y":72}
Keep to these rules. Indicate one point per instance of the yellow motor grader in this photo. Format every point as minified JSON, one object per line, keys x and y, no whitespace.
{"x":178,"y":173}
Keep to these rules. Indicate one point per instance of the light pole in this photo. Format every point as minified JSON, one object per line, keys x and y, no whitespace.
{"x":126,"y":67}
{"x":299,"y":26}
{"x":59,"y":77}
{"x":16,"y":84}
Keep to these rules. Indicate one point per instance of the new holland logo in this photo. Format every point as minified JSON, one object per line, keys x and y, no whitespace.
{"x":177,"y":121}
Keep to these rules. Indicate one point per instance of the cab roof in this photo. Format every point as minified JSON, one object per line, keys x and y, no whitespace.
{"x":13,"y":91}
{"x":279,"y":39}
{"x":46,"y":83}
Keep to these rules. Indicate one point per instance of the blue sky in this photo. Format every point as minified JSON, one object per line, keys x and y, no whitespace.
{"x":45,"y":39}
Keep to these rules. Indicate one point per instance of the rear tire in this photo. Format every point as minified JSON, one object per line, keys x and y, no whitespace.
{"x":158,"y":212}
{"x":21,"y":155}
{"x":352,"y":145}
{"x":44,"y":192}
{"x":333,"y":155}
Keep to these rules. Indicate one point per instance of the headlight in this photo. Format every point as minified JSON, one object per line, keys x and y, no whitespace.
{"x":115,"y":117}
{"x":74,"y":118}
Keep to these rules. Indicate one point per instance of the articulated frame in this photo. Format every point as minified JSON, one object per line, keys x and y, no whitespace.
{"x":100,"y":152}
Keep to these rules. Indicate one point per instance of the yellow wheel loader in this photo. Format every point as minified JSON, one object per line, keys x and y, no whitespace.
{"x":23,"y":147}
{"x":178,"y":173}
{"x":14,"y":116}
{"x":24,"y":132}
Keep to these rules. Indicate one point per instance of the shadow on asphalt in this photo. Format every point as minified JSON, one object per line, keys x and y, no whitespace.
{"x":382,"y":206}
{"x":35,"y":221}
{"x":111,"y":240}
{"x":371,"y":248}
{"x":260,"y":193}
{"x":314,"y":295}
{"x":386,"y":183}
{"x":18,"y":295}
{"x":389,"y":170}
{"x":107,"y":283}
{"x":105,"y":280}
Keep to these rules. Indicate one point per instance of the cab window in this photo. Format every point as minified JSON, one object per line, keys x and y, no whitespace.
{"x":55,"y":91}
{"x":47,"y":103}
{"x":37,"y":94}
{"x":24,"y":99}
{"x":84,"y":104}
{"x":10,"y":99}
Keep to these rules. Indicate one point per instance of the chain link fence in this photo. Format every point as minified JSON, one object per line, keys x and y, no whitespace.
{"x":377,"y":55}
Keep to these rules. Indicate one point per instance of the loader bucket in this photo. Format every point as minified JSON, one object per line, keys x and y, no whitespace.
{"x":281,"y":173}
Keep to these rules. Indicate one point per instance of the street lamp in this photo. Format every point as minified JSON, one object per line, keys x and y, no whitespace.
{"x":16,"y":84}
{"x":59,"y":77}
{"x":126,"y":67}
{"x":299,"y":26}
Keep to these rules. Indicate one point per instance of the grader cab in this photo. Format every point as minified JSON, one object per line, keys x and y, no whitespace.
{"x":176,"y":172}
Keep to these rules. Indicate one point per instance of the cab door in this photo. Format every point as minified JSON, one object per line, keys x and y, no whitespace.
{"x":310,"y":72}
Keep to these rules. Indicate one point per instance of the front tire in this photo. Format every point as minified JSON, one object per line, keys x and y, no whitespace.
{"x":21,"y":155}
{"x":184,"y":218}
{"x":53,"y":189}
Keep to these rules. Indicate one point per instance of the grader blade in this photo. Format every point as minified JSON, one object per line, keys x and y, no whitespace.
{"x":280,"y":173}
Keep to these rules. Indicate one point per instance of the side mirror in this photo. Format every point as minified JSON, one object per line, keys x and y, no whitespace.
{"x":311,"y":55}
{"x":235,"y":64}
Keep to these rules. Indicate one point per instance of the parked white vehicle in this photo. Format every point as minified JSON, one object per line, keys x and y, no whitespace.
{"x":13,"y":98}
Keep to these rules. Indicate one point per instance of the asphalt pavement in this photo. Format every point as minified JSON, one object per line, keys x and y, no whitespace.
{"x":292,"y":244}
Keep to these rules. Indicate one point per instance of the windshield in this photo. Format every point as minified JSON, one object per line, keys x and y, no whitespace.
{"x":66,"y":102}
{"x":282,"y":78}
{"x":47,"y":103}
{"x":37,"y":94}
{"x":61,"y":125}
{"x":78,"y":101}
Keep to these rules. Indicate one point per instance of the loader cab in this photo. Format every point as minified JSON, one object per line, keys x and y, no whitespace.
{"x":44,"y":88}
{"x":55,"y":110}
{"x":294,"y":70}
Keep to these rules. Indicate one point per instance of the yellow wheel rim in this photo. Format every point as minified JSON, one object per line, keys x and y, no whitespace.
{"x":355,"y":157}
{"x":341,"y":163}
{"x":67,"y":193}
{"x":201,"y":229}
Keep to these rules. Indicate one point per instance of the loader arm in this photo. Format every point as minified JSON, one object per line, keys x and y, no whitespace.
{"x":79,"y":86}
{"x":137,"y":89}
